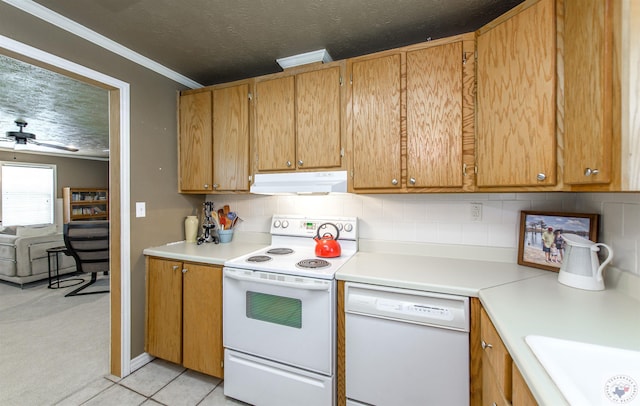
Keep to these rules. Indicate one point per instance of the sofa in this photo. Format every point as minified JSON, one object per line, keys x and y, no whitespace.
{"x":23,"y":253}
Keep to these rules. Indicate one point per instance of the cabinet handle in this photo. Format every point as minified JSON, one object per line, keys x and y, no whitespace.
{"x":215,"y":185}
{"x":206,"y":186}
{"x":288,"y":164}
{"x":175,"y":267}
{"x":494,"y":404}
{"x":184,"y":270}
{"x":300,"y":162}
{"x":394,"y":181}
{"x":486,"y":345}
{"x":589,"y":172}
{"x":412,"y":181}
{"x":541,"y":177}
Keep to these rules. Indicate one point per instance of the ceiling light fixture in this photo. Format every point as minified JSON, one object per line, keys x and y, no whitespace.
{"x":320,"y":55}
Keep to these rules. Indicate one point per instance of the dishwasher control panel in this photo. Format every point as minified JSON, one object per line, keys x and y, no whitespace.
{"x":428,"y":308}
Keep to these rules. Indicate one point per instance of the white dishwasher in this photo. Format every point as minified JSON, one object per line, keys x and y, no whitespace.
{"x":405,"y":347}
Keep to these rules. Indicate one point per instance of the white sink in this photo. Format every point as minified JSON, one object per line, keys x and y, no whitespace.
{"x":589,"y":374}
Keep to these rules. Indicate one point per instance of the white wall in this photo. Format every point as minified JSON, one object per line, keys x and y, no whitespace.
{"x":446,"y":218}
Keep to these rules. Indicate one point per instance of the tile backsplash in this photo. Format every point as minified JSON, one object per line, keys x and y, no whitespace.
{"x":447,"y":218}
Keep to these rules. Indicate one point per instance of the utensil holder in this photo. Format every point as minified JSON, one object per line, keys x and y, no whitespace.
{"x":225,"y":235}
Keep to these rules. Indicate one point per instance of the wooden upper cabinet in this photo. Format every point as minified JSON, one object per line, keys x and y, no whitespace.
{"x":434,"y":116}
{"x":275,"y":124}
{"x":516,"y":107}
{"x":318,"y":119}
{"x":588,"y":59}
{"x":375,"y":122}
{"x":231,"y":138}
{"x":195,"y":142}
{"x":299,"y":120}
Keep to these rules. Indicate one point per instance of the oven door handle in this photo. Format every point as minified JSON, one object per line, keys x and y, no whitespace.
{"x":296,"y":285}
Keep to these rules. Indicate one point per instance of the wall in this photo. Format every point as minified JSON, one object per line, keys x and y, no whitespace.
{"x":446,"y":219}
{"x":153,"y":144}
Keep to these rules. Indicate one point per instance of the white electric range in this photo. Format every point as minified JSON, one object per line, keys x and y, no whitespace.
{"x":279,"y":314}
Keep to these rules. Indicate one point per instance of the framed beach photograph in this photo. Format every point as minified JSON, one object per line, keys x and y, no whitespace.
{"x":540,"y":243}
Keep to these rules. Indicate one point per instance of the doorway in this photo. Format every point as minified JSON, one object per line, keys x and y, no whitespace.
{"x":119,"y":180}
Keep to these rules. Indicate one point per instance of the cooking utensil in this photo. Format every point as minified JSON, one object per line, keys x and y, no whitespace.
{"x":327,"y":246}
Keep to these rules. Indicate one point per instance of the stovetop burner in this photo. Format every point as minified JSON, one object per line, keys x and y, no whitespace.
{"x":280,"y":251}
{"x":259,"y":258}
{"x":313,"y":263}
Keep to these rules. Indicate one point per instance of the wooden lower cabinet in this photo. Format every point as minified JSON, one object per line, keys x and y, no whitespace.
{"x":184,"y":314}
{"x":521,"y":394}
{"x":502,"y":382}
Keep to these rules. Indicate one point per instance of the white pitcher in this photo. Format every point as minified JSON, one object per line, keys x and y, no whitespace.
{"x":581,"y":267}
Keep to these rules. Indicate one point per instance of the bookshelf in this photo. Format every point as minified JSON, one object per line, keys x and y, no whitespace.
{"x":85,"y":204}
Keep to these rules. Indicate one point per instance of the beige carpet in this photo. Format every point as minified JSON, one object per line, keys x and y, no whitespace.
{"x":51,"y":345}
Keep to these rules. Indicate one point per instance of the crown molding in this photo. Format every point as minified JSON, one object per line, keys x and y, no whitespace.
{"x":60,"y":21}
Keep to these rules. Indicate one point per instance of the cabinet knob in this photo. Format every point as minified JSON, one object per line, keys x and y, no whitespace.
{"x":184,"y":270}
{"x":206,"y":186}
{"x":589,"y":172}
{"x":541,"y":177}
{"x":215,"y":185}
{"x":175,"y":267}
{"x":288,"y":164}
{"x":300,"y":163}
{"x":486,"y":345}
{"x":412,"y":181}
{"x":394,"y":181}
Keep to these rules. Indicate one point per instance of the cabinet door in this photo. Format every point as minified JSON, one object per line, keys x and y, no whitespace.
{"x":275,"y":124}
{"x":376,"y":122}
{"x":588,"y":91}
{"x":522,"y":396}
{"x":516,"y":71}
{"x":434,"y":116}
{"x":202,"y":319}
{"x":196,"y":171}
{"x":164,"y":309}
{"x":231,"y":138}
{"x":318,"y":121}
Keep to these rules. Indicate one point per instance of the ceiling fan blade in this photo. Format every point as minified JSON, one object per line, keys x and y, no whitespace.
{"x":52,"y":144}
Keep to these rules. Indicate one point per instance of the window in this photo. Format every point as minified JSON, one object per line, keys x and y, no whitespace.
{"x":28,"y":193}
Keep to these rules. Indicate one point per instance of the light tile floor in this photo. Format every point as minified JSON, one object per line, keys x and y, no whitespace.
{"x":157,"y":383}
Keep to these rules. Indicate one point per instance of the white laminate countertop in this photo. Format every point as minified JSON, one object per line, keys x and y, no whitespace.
{"x":464,"y":277}
{"x":542,"y":306}
{"x":206,"y":253}
{"x":519,"y":300}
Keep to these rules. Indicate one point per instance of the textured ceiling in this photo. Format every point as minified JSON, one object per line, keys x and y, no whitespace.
{"x":56,"y":108}
{"x":216,"y":41}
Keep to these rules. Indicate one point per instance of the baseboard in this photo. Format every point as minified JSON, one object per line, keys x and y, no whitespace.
{"x":140,"y":361}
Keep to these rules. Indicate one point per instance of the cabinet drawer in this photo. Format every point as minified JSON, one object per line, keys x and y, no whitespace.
{"x":495,"y":354}
{"x":492,"y":394}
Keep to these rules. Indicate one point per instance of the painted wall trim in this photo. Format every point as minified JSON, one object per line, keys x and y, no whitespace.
{"x":73,"y":27}
{"x":125,"y":175}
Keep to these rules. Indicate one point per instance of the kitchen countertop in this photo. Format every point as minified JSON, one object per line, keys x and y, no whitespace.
{"x":464,"y":277}
{"x":542,"y":306}
{"x":519,"y":300}
{"x":206,"y":253}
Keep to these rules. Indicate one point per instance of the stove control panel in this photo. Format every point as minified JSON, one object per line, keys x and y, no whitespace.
{"x":302,"y":226}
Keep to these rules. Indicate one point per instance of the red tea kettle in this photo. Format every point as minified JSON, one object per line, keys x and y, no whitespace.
{"x":327,"y":246}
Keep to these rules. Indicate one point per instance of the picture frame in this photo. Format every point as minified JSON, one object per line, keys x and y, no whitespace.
{"x":534,"y":225}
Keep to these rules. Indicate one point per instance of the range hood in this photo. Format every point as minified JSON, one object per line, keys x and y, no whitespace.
{"x":300,"y":182}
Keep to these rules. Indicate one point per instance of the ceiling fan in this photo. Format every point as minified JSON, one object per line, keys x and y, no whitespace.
{"x":24,"y":138}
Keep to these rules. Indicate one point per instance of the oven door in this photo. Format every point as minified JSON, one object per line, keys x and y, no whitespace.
{"x":282,"y":318}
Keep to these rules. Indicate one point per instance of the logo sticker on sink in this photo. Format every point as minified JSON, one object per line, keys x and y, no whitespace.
{"x":621,"y":389}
